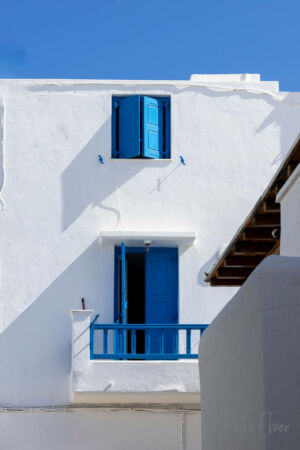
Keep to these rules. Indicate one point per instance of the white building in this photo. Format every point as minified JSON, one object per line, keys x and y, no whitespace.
{"x":250,"y":386}
{"x":70,"y":199}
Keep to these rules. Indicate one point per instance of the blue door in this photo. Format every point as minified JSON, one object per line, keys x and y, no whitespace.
{"x":161,"y":265}
{"x":120,"y":337}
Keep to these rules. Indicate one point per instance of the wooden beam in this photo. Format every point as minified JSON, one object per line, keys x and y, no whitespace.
{"x":253,"y":246}
{"x":269,"y":206}
{"x":274,"y":191}
{"x":243,"y":261}
{"x":290,"y":168}
{"x":275,"y":250}
{"x":259,"y":233}
{"x":234,"y":272}
{"x":226,"y":282}
{"x":267,"y":219}
{"x":254,"y":241}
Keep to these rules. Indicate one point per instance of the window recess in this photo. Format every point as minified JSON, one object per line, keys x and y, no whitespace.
{"x":141,"y":127}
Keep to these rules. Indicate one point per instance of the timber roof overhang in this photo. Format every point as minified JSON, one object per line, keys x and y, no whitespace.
{"x":259,"y":235}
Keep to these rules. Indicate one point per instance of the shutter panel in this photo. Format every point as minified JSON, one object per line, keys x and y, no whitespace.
{"x":152,"y":128}
{"x":129,"y":127}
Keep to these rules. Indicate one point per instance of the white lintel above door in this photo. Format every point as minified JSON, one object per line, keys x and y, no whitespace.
{"x":158,"y":238}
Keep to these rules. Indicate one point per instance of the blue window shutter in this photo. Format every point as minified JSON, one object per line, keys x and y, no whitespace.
{"x":129,"y":127}
{"x":152,"y":128}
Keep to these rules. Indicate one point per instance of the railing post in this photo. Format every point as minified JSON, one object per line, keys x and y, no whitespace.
{"x":82,"y":338}
{"x":147,"y":343}
{"x":188,"y":341}
{"x":105,"y":333}
{"x":162,"y":342}
{"x":127,"y":333}
{"x":175,"y":340}
{"x":124,"y":342}
{"x":133,"y":342}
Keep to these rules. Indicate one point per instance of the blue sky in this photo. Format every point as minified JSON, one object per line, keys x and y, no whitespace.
{"x":157,"y":39}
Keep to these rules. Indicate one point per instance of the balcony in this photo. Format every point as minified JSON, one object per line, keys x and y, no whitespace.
{"x":134,"y":363}
{"x":159,"y":341}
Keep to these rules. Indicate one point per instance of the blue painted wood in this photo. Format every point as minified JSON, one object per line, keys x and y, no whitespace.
{"x":92,"y":355}
{"x":116,"y":285}
{"x":120,"y":350}
{"x":162,"y":294}
{"x":114,"y":128}
{"x":117,"y":280}
{"x":175,"y":342}
{"x":141,"y":122}
{"x":116,"y":338}
{"x":188,"y":341}
{"x":105,"y":340}
{"x":162,"y":342}
{"x":147,"y":342}
{"x":153,"y":326}
{"x":123,"y":296}
{"x":129,"y":127}
{"x":147,"y":356}
{"x":166,"y":128}
{"x":133,"y":342}
{"x":123,"y":282}
{"x":153,"y":133}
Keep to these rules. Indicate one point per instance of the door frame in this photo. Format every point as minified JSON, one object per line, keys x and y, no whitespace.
{"x":117,"y":255}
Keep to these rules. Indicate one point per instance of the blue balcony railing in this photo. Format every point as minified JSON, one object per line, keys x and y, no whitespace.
{"x":144,"y":341}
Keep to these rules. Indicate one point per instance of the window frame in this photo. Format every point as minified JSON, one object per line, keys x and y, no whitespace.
{"x":166,"y":127}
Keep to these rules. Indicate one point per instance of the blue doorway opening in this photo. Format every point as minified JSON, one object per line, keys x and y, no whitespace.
{"x":150,"y":278}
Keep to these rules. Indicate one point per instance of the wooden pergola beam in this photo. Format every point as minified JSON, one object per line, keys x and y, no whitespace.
{"x":259,"y":235}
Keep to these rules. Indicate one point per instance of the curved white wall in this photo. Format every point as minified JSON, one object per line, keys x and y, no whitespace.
{"x":249,"y":364}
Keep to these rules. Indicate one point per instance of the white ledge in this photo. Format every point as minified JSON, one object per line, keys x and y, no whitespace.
{"x":146,"y":160}
{"x":160,"y":238}
{"x":232,"y":77}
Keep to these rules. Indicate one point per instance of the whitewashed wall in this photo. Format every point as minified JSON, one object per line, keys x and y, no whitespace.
{"x":249,"y":364}
{"x":56,"y":198}
{"x":100,"y":429}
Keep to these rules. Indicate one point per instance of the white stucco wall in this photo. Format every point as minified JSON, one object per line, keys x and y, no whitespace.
{"x":56,"y":198}
{"x":95,"y":429}
{"x":249,"y":364}
{"x":110,"y":381}
{"x":289,"y":199}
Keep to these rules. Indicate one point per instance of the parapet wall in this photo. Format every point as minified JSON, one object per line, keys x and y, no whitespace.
{"x":249,"y":364}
